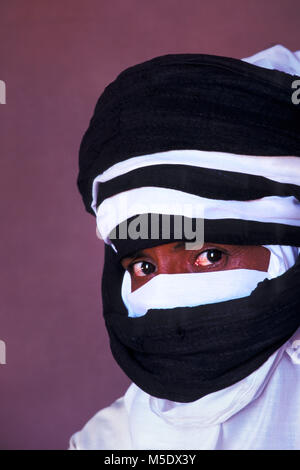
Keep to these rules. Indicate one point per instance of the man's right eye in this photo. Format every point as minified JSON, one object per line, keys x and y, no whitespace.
{"x":142,"y":268}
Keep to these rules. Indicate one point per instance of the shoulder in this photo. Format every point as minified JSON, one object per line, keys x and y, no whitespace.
{"x":106,"y":430}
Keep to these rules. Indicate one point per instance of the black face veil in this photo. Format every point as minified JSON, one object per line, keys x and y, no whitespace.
{"x":201,"y":103}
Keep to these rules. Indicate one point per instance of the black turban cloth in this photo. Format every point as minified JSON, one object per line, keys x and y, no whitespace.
{"x":208,"y":103}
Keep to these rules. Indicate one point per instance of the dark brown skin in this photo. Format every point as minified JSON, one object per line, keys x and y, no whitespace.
{"x":173,"y":258}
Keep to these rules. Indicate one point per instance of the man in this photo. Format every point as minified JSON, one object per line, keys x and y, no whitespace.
{"x":191,"y":166}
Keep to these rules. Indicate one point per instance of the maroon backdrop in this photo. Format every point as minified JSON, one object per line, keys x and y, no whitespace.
{"x":56,"y":57}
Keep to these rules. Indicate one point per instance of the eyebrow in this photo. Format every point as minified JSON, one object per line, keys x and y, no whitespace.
{"x":138,"y":254}
{"x":178,"y":245}
{"x":142,"y":253}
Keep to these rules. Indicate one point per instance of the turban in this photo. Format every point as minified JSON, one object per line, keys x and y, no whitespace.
{"x":197,"y":102}
{"x":221,"y":136}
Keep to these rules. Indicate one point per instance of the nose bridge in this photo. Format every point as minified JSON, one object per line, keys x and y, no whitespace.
{"x":164,"y":265}
{"x":167,"y":262}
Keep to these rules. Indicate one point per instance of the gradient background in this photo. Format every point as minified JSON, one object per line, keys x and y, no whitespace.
{"x":56,"y":57}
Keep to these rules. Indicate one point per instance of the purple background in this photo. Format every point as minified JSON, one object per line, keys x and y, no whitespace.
{"x":56,"y":57}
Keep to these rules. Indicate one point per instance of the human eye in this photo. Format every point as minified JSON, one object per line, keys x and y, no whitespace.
{"x":142,"y":268}
{"x":209,"y":257}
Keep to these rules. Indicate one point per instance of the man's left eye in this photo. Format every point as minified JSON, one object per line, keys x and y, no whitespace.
{"x":208,"y":257}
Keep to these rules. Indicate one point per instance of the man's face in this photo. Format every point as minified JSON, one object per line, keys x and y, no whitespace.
{"x":174,"y":258}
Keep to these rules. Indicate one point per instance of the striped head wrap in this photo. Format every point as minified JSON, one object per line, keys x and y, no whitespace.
{"x":202,"y":137}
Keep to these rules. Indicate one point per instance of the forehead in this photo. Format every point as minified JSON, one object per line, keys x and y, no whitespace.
{"x":179,"y":247}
